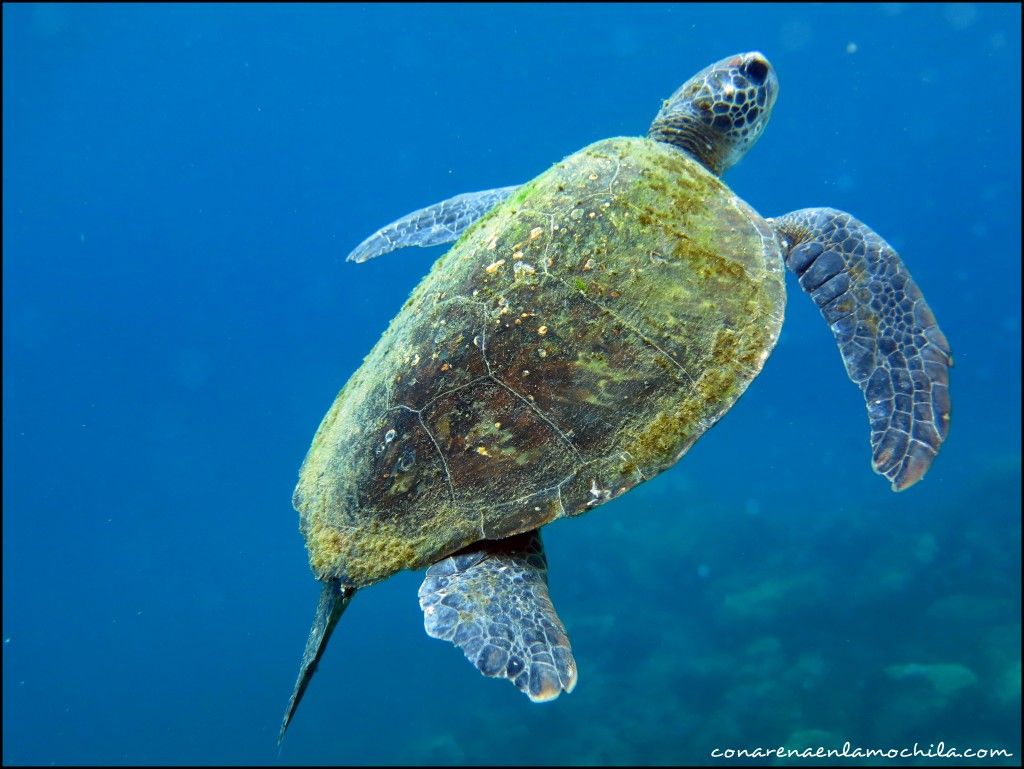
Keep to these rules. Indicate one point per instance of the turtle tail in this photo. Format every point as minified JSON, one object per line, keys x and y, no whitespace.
{"x":334,"y":599}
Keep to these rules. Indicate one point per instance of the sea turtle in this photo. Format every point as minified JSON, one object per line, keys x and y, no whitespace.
{"x":586,"y":328}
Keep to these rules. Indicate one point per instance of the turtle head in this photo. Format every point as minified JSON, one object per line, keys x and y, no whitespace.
{"x":718,"y":114}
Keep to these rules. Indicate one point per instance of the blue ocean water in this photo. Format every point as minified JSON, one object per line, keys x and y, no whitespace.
{"x":180,"y":187}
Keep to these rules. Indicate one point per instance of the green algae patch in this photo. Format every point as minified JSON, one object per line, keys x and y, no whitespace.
{"x":521,"y":195}
{"x":379,"y":548}
{"x":367,"y":554}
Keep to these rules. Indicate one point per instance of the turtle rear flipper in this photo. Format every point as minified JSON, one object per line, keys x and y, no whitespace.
{"x":440,"y":223}
{"x":889,"y":338}
{"x":491,"y":600}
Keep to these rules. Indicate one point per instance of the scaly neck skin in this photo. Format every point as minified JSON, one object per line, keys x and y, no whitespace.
{"x":689,"y":134}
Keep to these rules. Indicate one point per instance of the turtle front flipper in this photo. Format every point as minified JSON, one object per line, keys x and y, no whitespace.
{"x":491,"y":600}
{"x":889,"y":338}
{"x":440,"y":223}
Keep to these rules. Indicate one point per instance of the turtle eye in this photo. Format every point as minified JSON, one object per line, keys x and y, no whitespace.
{"x":756,"y":70}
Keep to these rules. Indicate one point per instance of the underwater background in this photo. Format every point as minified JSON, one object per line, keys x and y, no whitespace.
{"x":181,"y":185}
